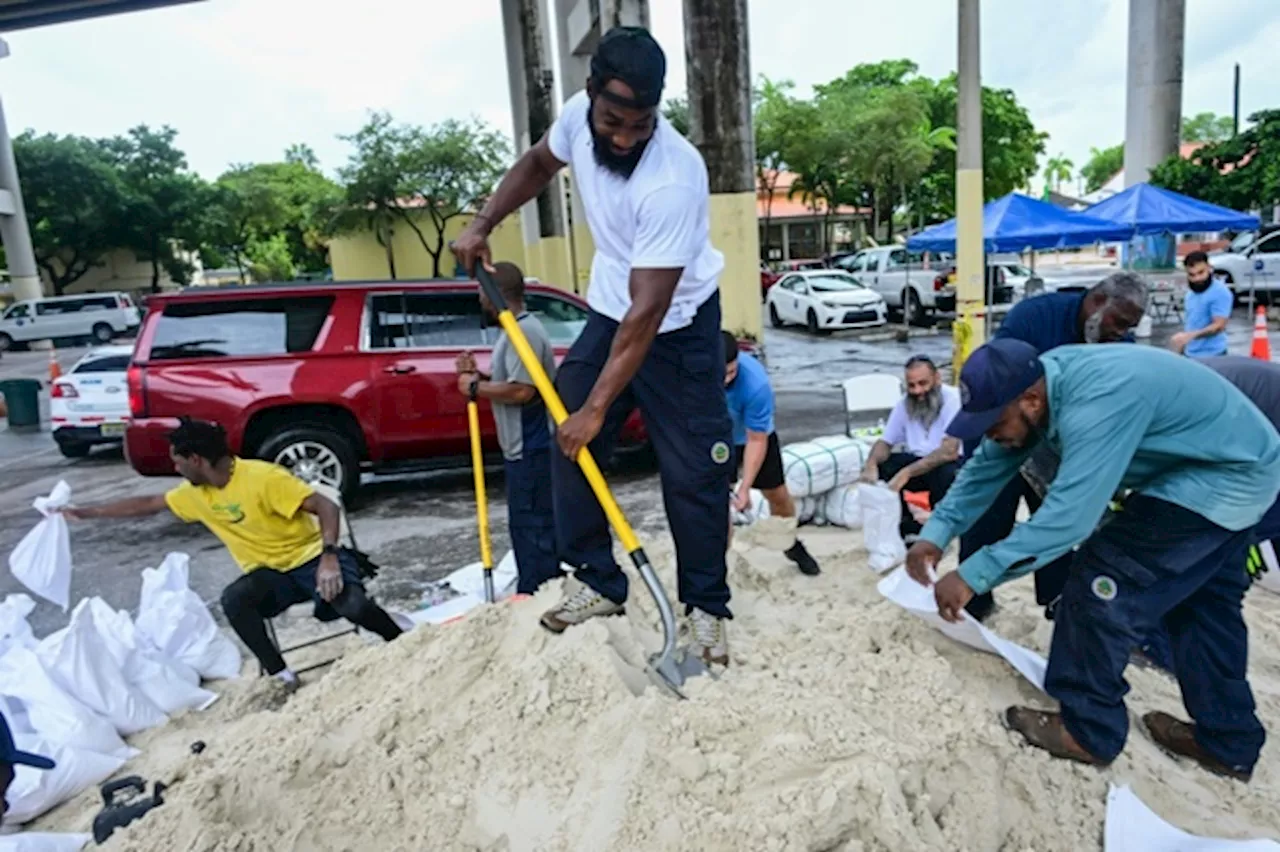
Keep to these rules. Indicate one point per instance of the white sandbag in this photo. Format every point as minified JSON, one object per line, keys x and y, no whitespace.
{"x":15,"y":632}
{"x":1131,"y":826}
{"x":176,"y":622}
{"x":815,"y":467}
{"x":79,"y":662}
{"x":469,"y":579}
{"x":842,"y":507}
{"x":51,"y":712}
{"x":806,"y":508}
{"x":170,"y":684}
{"x":36,"y":791}
{"x":881,"y":515}
{"x":819,"y":517}
{"x":758,"y":509}
{"x":43,"y":841}
{"x":42,"y":560}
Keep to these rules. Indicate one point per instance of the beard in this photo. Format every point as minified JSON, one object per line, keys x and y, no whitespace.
{"x":602,"y":149}
{"x":926,"y":408}
{"x":1200,"y":287}
{"x":1093,"y":328}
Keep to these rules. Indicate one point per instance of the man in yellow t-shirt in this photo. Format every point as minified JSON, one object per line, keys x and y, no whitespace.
{"x":278,"y":529}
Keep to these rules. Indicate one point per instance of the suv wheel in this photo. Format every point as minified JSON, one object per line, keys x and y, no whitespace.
{"x":774,"y":319}
{"x":6,"y":342}
{"x":912,"y":310}
{"x":103,"y":333}
{"x":317,"y":455}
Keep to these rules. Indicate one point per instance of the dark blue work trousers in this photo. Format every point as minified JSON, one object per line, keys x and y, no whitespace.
{"x":1153,"y":562}
{"x":531,"y":520}
{"x":680,"y":392}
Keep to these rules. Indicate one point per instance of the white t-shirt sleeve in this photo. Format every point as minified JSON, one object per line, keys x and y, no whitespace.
{"x":669,"y":229}
{"x":895,"y":431}
{"x":572,"y":120}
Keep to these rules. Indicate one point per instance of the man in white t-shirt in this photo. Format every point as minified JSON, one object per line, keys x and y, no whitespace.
{"x":652,"y":338}
{"x":929,"y":458}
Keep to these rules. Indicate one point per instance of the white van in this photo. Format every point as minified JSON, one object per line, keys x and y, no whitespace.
{"x":101,"y":316}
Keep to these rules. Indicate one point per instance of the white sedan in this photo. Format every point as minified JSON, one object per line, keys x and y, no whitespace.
{"x":824,"y":300}
{"x":89,"y":405}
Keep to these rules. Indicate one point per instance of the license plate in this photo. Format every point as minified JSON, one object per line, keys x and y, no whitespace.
{"x":112,"y":430}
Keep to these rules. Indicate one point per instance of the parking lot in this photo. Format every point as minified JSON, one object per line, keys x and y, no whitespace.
{"x":417,"y":527}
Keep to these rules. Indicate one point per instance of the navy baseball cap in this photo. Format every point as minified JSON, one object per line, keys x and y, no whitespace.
{"x":9,"y":751}
{"x":994,"y":376}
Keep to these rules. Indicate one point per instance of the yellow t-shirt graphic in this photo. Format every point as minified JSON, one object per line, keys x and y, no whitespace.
{"x":258,"y":515}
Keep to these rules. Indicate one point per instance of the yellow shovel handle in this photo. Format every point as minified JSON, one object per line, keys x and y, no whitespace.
{"x":482,"y":501}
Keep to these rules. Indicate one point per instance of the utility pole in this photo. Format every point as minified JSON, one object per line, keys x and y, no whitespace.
{"x":1153,"y":83}
{"x":969,"y":330}
{"x":717,"y":56}
{"x":1235,"y":103}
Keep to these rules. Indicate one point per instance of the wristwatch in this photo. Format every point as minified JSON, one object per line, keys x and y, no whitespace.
{"x":473,"y":388}
{"x":330,"y":550}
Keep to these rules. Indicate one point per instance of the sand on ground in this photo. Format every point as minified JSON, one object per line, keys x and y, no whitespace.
{"x":843,"y":724}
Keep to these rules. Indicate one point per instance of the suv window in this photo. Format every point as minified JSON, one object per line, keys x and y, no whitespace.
{"x":422,"y":320}
{"x":240,"y":327}
{"x":18,"y":312}
{"x":563,"y":320}
{"x":1271,"y":245}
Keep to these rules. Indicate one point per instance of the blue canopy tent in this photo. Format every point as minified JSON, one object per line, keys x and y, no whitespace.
{"x":1149,"y":209}
{"x":1016,"y":223}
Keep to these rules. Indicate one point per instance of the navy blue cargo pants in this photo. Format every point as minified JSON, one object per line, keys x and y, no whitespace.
{"x":680,"y":392}
{"x":1154,"y":562}
{"x":531,"y":520}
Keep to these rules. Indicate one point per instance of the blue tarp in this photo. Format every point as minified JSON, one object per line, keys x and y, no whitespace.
{"x":1151,"y":210}
{"x":1016,"y":223}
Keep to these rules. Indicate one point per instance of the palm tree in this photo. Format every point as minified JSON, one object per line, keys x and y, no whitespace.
{"x":1057,"y":171}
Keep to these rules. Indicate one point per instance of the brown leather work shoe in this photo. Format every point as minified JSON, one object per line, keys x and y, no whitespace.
{"x":1179,"y":739}
{"x":1045,"y":730}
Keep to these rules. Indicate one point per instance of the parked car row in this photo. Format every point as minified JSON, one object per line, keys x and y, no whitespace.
{"x":98,"y":316}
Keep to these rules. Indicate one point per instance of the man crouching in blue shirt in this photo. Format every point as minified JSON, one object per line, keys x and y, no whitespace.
{"x":1202,"y":465}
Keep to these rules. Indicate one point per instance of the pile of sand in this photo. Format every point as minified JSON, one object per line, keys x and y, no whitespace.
{"x":844,"y":724}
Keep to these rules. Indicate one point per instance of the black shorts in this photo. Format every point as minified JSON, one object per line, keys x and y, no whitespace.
{"x":771,"y":474}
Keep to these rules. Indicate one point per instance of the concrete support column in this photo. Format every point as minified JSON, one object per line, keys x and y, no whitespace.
{"x":24,"y":277}
{"x":1153,"y":85}
{"x":533,"y":109}
{"x":719,"y":73}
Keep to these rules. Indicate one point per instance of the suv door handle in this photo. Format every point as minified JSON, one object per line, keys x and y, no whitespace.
{"x":399,"y":370}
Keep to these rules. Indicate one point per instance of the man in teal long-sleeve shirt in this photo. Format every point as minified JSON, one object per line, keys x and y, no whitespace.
{"x":1202,"y":464}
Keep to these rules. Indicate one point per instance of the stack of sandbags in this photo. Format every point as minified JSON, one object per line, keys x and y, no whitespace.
{"x":813,"y":468}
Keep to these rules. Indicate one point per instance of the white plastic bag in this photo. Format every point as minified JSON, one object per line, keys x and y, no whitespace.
{"x":36,"y":791}
{"x":758,"y":509}
{"x":79,"y":661}
{"x":174,"y":620}
{"x":170,"y":684}
{"x":42,"y":560}
{"x":50,"y":712}
{"x":842,"y":507}
{"x":881,"y":514}
{"x":42,"y":841}
{"x":1131,"y":826}
{"x":15,"y":632}
{"x":815,"y":467}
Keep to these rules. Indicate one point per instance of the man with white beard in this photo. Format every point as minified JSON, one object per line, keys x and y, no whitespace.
{"x":929,"y":458}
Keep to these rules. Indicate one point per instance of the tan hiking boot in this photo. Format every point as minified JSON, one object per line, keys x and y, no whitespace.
{"x":710,"y":638}
{"x":577,"y":607}
{"x":1179,"y":738}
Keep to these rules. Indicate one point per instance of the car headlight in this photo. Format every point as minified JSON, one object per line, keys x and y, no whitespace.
{"x":830,"y":305}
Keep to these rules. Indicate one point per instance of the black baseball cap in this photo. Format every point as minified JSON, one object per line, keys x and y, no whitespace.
{"x":994,"y":376}
{"x":9,"y":751}
{"x":632,"y":56}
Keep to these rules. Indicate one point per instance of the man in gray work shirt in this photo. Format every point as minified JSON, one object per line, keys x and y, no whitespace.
{"x":524,"y":432}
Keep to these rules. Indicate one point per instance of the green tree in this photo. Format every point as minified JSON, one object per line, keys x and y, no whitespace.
{"x":376,"y":179}
{"x":1242,"y":172}
{"x":1207,"y":127}
{"x":164,"y":215}
{"x":783,"y":126}
{"x":676,"y":111}
{"x":1104,"y":164}
{"x":1057,"y":171}
{"x":244,"y":208}
{"x":74,"y":200}
{"x":270,"y":259}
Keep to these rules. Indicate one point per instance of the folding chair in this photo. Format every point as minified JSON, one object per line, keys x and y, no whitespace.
{"x":868,"y":394}
{"x":345,"y":534}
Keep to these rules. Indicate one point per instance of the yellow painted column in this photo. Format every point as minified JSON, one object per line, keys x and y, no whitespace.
{"x":969,"y":330}
{"x":735,"y":231}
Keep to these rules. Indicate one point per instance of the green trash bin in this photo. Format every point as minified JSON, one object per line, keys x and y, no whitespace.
{"x":22,"y":397}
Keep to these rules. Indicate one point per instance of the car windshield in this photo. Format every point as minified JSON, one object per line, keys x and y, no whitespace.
{"x":834,"y":283}
{"x":1242,"y":242}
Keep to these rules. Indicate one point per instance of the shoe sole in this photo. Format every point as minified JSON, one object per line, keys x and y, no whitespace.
{"x":557,"y":627}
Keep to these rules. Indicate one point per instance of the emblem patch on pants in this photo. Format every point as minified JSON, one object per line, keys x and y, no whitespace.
{"x":720,"y":452}
{"x":1104,"y":588}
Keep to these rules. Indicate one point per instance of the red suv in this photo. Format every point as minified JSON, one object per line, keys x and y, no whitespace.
{"x":327,"y":379}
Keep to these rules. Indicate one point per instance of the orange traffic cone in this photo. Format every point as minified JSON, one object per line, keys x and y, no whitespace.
{"x":1261,"y":344}
{"x":55,"y":370}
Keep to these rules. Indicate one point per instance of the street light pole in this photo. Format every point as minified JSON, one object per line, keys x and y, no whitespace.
{"x":24,"y":278}
{"x":969,"y":329}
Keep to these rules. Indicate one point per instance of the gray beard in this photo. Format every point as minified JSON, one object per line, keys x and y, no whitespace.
{"x":927,"y":408}
{"x":1093,"y":328}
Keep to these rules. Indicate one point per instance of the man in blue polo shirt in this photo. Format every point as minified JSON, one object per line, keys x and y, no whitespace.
{"x":1202,"y":466}
{"x":758,"y":456}
{"x":1106,"y":313}
{"x":1208,"y":307}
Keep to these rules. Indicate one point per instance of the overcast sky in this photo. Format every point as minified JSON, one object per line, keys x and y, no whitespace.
{"x":243,"y":79}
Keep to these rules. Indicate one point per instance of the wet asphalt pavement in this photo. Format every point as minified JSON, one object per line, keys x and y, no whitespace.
{"x":420,"y":527}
